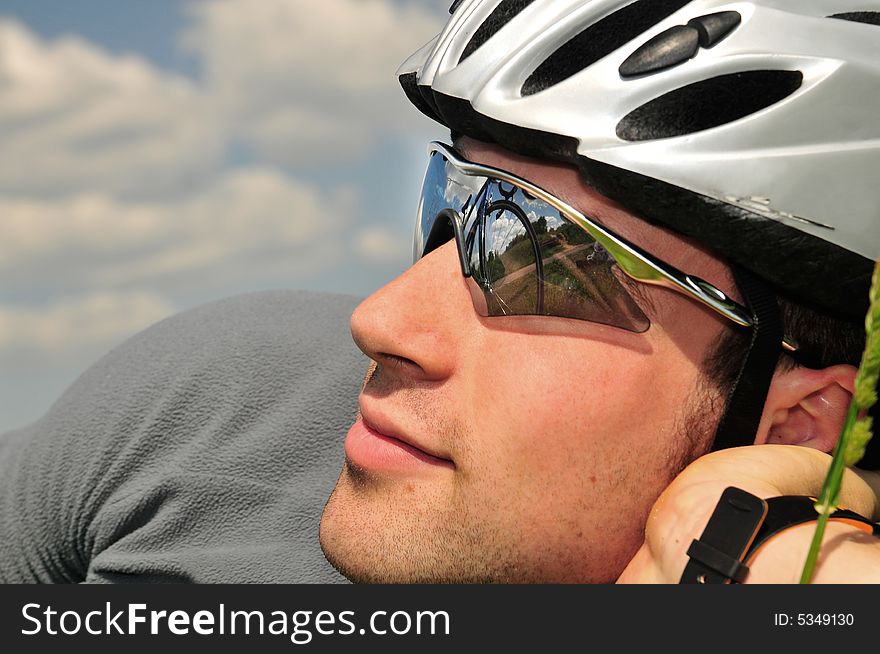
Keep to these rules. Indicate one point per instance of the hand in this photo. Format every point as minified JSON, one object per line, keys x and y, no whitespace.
{"x":682,"y":511}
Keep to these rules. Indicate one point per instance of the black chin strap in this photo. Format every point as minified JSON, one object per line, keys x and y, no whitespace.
{"x":745,"y":402}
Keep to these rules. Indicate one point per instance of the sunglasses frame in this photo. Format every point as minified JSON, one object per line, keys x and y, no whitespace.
{"x":635,"y":262}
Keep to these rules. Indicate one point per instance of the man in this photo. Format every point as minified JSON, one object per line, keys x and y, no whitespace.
{"x":544,"y":370}
{"x":494,"y":444}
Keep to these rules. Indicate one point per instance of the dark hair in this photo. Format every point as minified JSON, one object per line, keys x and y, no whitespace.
{"x":823,"y":341}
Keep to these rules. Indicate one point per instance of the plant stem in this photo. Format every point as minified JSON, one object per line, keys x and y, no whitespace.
{"x":856,"y":433}
{"x":827,"y":502}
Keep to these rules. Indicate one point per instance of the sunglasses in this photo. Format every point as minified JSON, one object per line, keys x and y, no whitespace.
{"x":526,"y":252}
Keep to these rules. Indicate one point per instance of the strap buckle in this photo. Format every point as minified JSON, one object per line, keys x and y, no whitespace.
{"x":717,"y":556}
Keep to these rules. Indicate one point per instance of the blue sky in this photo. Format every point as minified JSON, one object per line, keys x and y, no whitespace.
{"x":158,"y":155}
{"x":148,"y":27}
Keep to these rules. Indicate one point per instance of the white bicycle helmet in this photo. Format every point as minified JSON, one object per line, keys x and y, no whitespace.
{"x":749,"y":126}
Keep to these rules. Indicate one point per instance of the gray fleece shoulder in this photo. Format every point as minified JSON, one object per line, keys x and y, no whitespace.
{"x":202,"y":449}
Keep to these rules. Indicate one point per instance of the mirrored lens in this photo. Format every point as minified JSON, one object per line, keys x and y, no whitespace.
{"x":446,"y":193}
{"x":524,"y":255}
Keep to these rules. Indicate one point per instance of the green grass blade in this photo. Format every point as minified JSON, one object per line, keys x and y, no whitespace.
{"x":857,"y":429}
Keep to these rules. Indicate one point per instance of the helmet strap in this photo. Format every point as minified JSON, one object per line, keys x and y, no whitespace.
{"x":746,"y":399}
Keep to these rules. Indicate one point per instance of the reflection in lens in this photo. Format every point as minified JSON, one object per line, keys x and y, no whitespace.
{"x":431,"y":203}
{"x":509,"y":262}
{"x":581,"y":282}
{"x":535,"y":261}
{"x":446,"y":192}
{"x":524,"y":256}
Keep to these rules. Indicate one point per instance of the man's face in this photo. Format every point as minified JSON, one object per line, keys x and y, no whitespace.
{"x":521,"y":448}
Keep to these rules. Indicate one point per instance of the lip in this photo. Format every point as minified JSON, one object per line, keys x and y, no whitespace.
{"x":374,"y":443}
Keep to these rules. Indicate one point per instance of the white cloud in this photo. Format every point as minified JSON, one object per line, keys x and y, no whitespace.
{"x":73,"y":324}
{"x":297,"y":82}
{"x":352,"y":45}
{"x":382,"y":245}
{"x":73,"y":116}
{"x":82,"y":132}
{"x":310,"y":82}
{"x":258,"y":218}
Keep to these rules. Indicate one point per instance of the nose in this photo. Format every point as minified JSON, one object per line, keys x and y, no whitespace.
{"x":414,"y":325}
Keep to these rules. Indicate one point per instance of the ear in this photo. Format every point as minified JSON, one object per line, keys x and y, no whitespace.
{"x":807,"y":407}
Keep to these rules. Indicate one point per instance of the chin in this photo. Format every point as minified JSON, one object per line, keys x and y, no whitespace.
{"x":366,"y":539}
{"x":411,"y":533}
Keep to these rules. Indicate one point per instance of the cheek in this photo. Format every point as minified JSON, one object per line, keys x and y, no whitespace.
{"x":567,"y":443}
{"x":547,"y":394}
{"x":555,"y":417}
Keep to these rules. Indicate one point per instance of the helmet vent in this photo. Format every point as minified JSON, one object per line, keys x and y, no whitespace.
{"x":869,"y":17}
{"x":599,"y":40}
{"x":503,"y":14}
{"x":709,"y":103}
